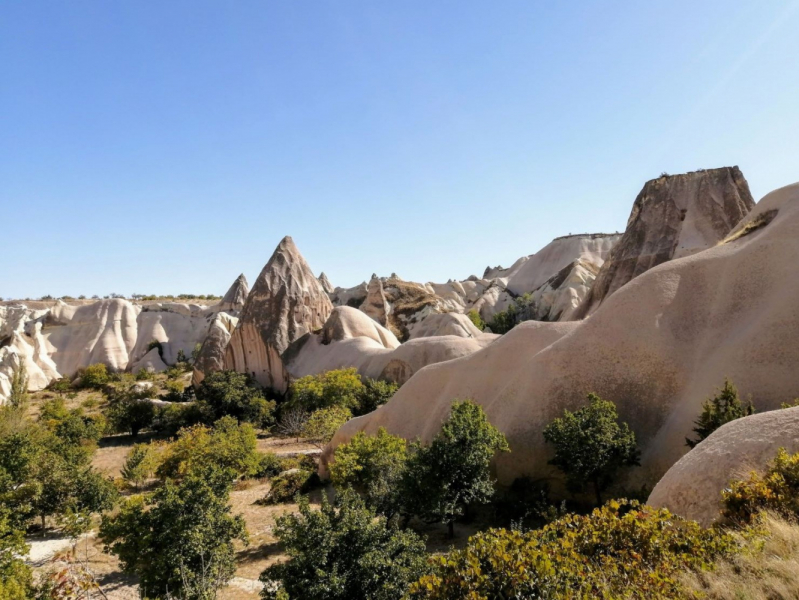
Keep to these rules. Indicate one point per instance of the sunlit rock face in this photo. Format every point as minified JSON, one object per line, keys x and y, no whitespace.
{"x":286,"y":302}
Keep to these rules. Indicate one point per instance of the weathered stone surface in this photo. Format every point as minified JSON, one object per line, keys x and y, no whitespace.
{"x":456,"y":324}
{"x":286,"y":302}
{"x":326,"y":285}
{"x":673,"y":216}
{"x":692,"y":487}
{"x":151,"y":361}
{"x":375,"y":305}
{"x":657,"y":348}
{"x":236,"y":296}
{"x":211,"y":357}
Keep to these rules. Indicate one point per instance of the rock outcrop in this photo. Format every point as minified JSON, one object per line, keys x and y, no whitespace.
{"x":673,"y":216}
{"x":692,"y":487}
{"x":211,"y":356}
{"x":233,"y":301}
{"x":286,"y":302}
{"x":657,"y":348}
{"x":326,"y":285}
{"x":375,"y":304}
{"x":445,"y":324}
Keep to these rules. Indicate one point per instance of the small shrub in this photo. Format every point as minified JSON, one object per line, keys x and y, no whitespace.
{"x":375,"y":393}
{"x":144,"y":375}
{"x":476,"y":319}
{"x":174,"y":390}
{"x":622,"y":550}
{"x":286,"y":486}
{"x":724,"y":407}
{"x":269,"y":465}
{"x":141,"y":463}
{"x":775,"y":491}
{"x":94,"y":376}
{"x":341,"y":387}
{"x":323,"y":424}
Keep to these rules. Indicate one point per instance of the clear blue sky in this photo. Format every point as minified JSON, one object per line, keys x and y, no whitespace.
{"x":165,"y":147}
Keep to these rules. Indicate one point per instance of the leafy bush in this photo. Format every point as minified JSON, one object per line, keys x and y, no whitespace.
{"x":776,"y":491}
{"x":174,"y":390}
{"x":94,"y":376}
{"x":323,"y":424}
{"x":286,"y":486}
{"x":374,"y":393}
{"x":343,"y":552}
{"x":180,"y":540}
{"x":269,"y":465}
{"x":373,"y":466}
{"x":15,"y":575}
{"x":622,"y":550}
{"x":341,"y":387}
{"x":442,"y":479}
{"x":229,"y":393}
{"x":591,"y":445}
{"x":724,"y":407}
{"x":229,"y":445}
{"x":18,"y":396}
{"x":476,"y":319}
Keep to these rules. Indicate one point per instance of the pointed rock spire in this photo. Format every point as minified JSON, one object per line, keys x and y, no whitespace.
{"x":326,"y":285}
{"x":376,"y":305}
{"x":235,"y":297}
{"x":286,"y":302}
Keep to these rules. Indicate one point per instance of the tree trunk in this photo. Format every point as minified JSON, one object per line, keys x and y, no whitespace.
{"x":597,"y":492}
{"x":451,"y":529}
{"x":43,"y":524}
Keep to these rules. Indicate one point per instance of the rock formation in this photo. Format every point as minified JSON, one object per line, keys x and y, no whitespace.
{"x":211,"y":356}
{"x":236,"y":296}
{"x":326,"y":285}
{"x":286,"y":302}
{"x":692,"y":487}
{"x":657,"y":348}
{"x":351,"y":339}
{"x":375,"y":304}
{"x":673,"y":216}
{"x":445,"y":324}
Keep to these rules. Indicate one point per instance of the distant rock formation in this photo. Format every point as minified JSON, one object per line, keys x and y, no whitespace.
{"x":456,"y":324}
{"x":375,"y":304}
{"x":326,"y":285}
{"x":657,"y":348}
{"x":673,"y":216}
{"x":692,"y":487}
{"x":236,"y":296}
{"x":286,"y":302}
{"x":211,"y":356}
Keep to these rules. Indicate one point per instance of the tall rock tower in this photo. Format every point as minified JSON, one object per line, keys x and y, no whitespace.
{"x":672,"y":217}
{"x":286,"y":302}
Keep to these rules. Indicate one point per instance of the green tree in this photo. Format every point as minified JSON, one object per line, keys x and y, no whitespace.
{"x":343,"y":552}
{"x":179,"y":541}
{"x":18,"y":398}
{"x":15,"y":575}
{"x":323,"y":424}
{"x":126,"y":413}
{"x":591,"y":445}
{"x":722,"y":408}
{"x":141,"y":463}
{"x":228,"y":393}
{"x":373,"y":466}
{"x":94,"y":376}
{"x":374,"y":393}
{"x":342,"y":387}
{"x":453,"y":472}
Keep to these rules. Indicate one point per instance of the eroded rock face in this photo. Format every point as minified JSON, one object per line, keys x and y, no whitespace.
{"x":692,"y":487}
{"x":236,"y":296}
{"x":375,"y":305}
{"x":673,"y":216}
{"x":326,"y":285}
{"x":286,"y":302}
{"x":211,"y":357}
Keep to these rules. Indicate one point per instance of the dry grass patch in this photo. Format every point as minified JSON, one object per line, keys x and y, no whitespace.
{"x":766,"y":570}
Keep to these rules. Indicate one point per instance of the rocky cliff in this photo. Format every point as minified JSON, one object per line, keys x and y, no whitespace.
{"x":673,"y":216}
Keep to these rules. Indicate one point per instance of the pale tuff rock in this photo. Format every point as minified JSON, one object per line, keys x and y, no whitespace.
{"x":211,"y":356}
{"x":177,"y":327}
{"x":286,"y":302}
{"x":375,"y":305}
{"x":151,"y":362}
{"x":351,"y":339}
{"x":353,"y":296}
{"x":673,"y":216}
{"x":692,"y":487}
{"x":326,"y":285}
{"x":562,"y":294}
{"x":445,"y":324}
{"x":233,"y":301}
{"x":658,"y":347}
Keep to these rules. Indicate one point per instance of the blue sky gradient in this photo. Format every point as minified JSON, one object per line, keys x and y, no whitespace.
{"x":165,"y":147}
